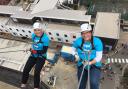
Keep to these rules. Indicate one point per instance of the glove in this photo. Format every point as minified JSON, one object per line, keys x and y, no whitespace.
{"x":76,"y":57}
{"x":34,"y":51}
{"x":46,"y":63}
{"x":87,"y":66}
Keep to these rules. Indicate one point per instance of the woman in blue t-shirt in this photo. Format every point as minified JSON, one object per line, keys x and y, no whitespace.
{"x":38,"y":55}
{"x":88,"y":48}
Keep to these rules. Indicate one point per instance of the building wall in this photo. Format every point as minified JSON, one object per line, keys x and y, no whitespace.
{"x":123,"y":37}
{"x":4,"y":2}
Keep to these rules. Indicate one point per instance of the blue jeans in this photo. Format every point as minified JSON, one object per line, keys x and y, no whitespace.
{"x":94,"y":77}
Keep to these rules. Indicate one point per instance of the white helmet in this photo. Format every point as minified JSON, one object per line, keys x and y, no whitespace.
{"x":86,"y":27}
{"x":37,"y":25}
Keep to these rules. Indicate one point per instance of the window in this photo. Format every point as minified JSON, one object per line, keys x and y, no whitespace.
{"x":2,"y":26}
{"x":125,"y":30}
{"x":10,"y":28}
{"x":52,"y":38}
{"x":121,"y":21}
{"x":59,"y":39}
{"x":66,"y":40}
{"x":21,"y":35}
{"x":6,"y":30}
{"x":17,"y":30}
{"x":49,"y":33}
{"x":23,"y":31}
{"x":74,"y":37}
{"x":57,"y":34}
{"x":0,"y":30}
{"x":14,"y":33}
{"x":29,"y":31}
{"x":26,"y":35}
{"x":65,"y":35}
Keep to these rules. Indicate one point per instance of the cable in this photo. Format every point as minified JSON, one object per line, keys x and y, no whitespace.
{"x":85,"y":64}
{"x":11,"y":51}
{"x":11,"y":46}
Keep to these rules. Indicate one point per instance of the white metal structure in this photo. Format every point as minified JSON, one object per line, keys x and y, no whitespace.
{"x":61,"y":32}
{"x":57,"y":31}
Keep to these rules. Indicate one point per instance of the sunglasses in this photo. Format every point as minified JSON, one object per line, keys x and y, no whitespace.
{"x":86,"y":32}
{"x":37,"y":29}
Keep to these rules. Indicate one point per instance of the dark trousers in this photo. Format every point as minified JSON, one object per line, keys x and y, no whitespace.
{"x":38,"y":62}
{"x":95,"y":74}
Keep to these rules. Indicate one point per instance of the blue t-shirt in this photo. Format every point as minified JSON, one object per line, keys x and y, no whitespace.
{"x":98,"y":46}
{"x":39,"y":46}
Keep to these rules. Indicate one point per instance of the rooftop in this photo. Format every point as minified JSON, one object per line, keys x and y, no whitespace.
{"x":107,"y":25}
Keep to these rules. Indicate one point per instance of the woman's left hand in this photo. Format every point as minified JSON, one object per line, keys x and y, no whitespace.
{"x":46,"y":63}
